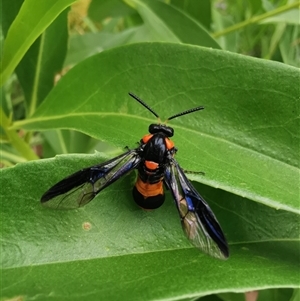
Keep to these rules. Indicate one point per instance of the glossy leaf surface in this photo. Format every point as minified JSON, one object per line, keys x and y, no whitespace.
{"x":246,"y":140}
{"x":111,"y":249}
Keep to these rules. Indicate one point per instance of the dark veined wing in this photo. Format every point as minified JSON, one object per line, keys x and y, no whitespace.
{"x":198,"y":221}
{"x":81,"y":187}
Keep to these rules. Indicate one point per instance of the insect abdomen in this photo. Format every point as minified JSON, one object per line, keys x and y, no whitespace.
{"x":148,"y":195}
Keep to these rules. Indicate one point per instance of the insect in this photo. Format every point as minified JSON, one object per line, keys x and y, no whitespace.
{"x":156,"y":165}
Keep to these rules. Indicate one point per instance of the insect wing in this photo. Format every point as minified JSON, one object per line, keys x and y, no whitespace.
{"x":198,"y":221}
{"x":81,"y":187}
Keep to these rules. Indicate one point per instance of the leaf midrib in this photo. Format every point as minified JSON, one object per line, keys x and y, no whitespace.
{"x":19,"y":124}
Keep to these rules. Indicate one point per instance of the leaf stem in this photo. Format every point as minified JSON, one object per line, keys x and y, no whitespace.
{"x":11,"y":157}
{"x":36,"y":80}
{"x":256,"y":19}
{"x":16,"y":141}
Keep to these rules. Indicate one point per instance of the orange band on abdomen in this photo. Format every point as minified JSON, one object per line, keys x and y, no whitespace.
{"x":151,"y":165}
{"x":147,"y":189}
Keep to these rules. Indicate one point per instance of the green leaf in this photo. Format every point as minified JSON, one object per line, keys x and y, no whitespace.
{"x":267,"y":5}
{"x":229,"y":41}
{"x":290,"y":17}
{"x":33,"y":18}
{"x":101,"y":9}
{"x":37,"y":69}
{"x":66,"y":141}
{"x":9,"y":11}
{"x":200,"y":10}
{"x":289,"y":48}
{"x":246,"y":140}
{"x":113,"y":250}
{"x":163,"y":21}
{"x":83,"y":46}
{"x":44,"y":59}
{"x":296,"y":295}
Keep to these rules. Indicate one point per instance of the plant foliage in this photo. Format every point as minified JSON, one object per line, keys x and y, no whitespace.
{"x":66,"y":91}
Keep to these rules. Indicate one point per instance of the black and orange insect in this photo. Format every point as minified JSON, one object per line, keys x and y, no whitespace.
{"x":156,"y":165}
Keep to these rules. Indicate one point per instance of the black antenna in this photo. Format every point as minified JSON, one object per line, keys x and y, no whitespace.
{"x":186,"y":112}
{"x":143,"y":104}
